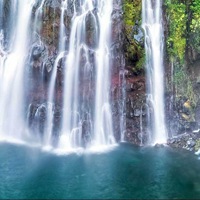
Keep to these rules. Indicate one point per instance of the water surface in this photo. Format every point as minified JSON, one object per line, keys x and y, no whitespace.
{"x":125,"y":172}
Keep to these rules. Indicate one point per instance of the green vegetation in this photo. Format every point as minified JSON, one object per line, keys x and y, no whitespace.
{"x":128,"y":9}
{"x":195,"y":25}
{"x":177,"y":19}
{"x":197,"y":146}
{"x":183,"y":34}
{"x":195,"y":8}
{"x":134,"y":50}
{"x":183,"y":84}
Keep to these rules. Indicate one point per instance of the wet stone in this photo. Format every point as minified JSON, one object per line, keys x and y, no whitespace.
{"x":36,"y":52}
{"x":137,"y":112}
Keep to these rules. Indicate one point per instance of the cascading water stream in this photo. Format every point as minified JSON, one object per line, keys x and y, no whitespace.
{"x":1,"y":15}
{"x":72,"y":122}
{"x":38,"y":16}
{"x":154,"y":40}
{"x":122,"y":96}
{"x":71,"y":115}
{"x":12,"y":78}
{"x":62,"y":34}
{"x":61,"y":54}
{"x":86,"y":63}
{"x":103,"y":118}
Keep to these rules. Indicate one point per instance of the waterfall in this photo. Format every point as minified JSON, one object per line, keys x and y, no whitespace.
{"x":62,"y":27}
{"x":51,"y":91}
{"x":38,"y":16}
{"x":1,"y":15}
{"x":103,"y":118}
{"x":71,"y":132}
{"x":12,"y":73}
{"x":78,"y":57}
{"x":122,"y":96}
{"x":88,"y":57}
{"x":154,"y":40}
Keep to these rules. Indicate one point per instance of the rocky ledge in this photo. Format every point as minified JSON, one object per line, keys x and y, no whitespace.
{"x":189,"y":141}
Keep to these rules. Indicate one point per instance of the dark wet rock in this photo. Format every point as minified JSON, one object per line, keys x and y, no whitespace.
{"x":179,"y":141}
{"x":49,"y":65}
{"x":92,"y":34}
{"x":137,"y":112}
{"x":31,"y":112}
{"x":129,"y":87}
{"x":53,"y":3}
{"x":138,"y":33}
{"x":37,"y":52}
{"x":189,"y":141}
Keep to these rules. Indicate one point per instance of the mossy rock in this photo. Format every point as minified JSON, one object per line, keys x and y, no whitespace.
{"x":197,"y":146}
{"x":134,"y":44}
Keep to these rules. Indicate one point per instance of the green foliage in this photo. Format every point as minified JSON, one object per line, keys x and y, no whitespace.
{"x":128,"y":13}
{"x":177,"y":18}
{"x":140,"y":63}
{"x":197,"y":146}
{"x":195,"y":8}
{"x":183,"y":84}
{"x":195,"y":25}
{"x":179,"y":24}
{"x":134,"y":51}
{"x":132,"y":11}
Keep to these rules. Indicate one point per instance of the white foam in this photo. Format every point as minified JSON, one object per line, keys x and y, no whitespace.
{"x":197,"y":152}
{"x":16,"y":141}
{"x":196,"y":131}
{"x":101,"y":148}
{"x":60,"y":151}
{"x":79,"y":151}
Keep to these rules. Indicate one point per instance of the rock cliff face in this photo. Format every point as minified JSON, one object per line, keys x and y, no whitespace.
{"x":136,"y":107}
{"x":42,"y":58}
{"x":182,"y":65}
{"x":128,"y":91}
